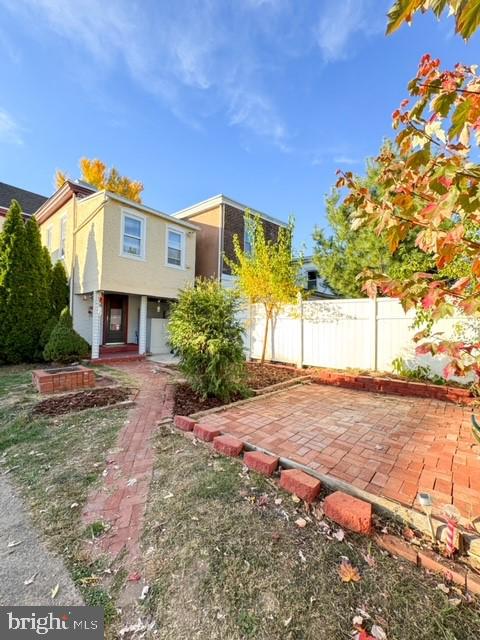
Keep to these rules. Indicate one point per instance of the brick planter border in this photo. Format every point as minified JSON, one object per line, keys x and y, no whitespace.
{"x":63,"y":379}
{"x":394,"y":386}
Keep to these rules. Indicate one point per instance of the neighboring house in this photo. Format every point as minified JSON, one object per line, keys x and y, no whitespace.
{"x":218,"y":219}
{"x":126,"y":262}
{"x":28,"y":200}
{"x":312,"y":281}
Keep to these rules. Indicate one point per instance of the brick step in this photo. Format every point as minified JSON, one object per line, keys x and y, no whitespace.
{"x":300,"y":483}
{"x":116,"y":358}
{"x":118,"y":348}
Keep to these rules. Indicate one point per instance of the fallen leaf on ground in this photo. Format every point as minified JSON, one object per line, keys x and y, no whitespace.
{"x":378,"y":633}
{"x":295,"y":498}
{"x":349,"y":573}
{"x":168,"y":496}
{"x":301,"y":522}
{"x":443,"y":588}
{"x":339,"y":535}
{"x":263,"y":500}
{"x":144,"y":593}
{"x":54,"y":591}
{"x":455,"y":602}
{"x":276,"y":536}
{"x":302,"y":557}
{"x":30,"y":580}
{"x":408,"y":534}
{"x":369,"y":559}
{"x":287,"y":622}
{"x":357,"y":621}
{"x":364,"y":635}
{"x":134,"y":577}
{"x":278,"y":501}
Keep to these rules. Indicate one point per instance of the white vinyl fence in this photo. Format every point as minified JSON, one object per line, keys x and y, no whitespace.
{"x":356,"y":333}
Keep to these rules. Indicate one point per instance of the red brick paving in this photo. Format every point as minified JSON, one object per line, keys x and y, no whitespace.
{"x":390,"y":446}
{"x":121,"y":499}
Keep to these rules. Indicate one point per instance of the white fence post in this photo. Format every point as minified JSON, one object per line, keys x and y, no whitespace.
{"x":373,"y":333}
{"x":300,"y":331}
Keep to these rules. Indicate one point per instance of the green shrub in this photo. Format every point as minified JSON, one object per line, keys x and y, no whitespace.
{"x":207,"y":336}
{"x":47,"y":331}
{"x":64,"y":344}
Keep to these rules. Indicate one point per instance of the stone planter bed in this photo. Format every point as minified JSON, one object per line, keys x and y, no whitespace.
{"x":396,"y":386}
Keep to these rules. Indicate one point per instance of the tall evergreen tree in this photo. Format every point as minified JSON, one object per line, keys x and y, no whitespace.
{"x":47,"y":262}
{"x":17,"y":338}
{"x":60,"y":289}
{"x":38,"y":294}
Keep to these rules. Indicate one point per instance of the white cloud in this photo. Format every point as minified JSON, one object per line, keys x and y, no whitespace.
{"x":10,"y":131}
{"x":341,"y":20}
{"x":186,"y":53}
{"x":347,"y":160}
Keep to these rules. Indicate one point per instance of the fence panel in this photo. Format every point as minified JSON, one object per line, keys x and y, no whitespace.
{"x":356,"y":333}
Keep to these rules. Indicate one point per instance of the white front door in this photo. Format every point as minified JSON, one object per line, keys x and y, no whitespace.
{"x":159,"y":336}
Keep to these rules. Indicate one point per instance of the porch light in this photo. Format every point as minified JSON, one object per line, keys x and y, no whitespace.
{"x":425,"y":500}
{"x":158,"y":306}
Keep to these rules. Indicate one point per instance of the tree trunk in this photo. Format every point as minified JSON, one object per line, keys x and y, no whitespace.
{"x":265,"y":336}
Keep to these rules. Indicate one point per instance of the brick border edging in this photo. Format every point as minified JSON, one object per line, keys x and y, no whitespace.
{"x":421,"y":557}
{"x":283,"y":385}
{"x":394,"y":386}
{"x":461,"y":575}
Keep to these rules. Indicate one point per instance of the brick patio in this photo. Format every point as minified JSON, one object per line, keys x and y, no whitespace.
{"x":121,"y":499}
{"x":389,"y":446}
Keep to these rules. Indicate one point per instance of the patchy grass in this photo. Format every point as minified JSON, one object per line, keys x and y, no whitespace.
{"x":55,"y":462}
{"x":224,"y":561}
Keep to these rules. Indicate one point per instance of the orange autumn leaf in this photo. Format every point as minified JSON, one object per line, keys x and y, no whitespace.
{"x":349,"y":573}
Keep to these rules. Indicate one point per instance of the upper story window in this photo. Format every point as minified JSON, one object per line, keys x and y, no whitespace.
{"x":49,"y":237}
{"x":175,"y":248}
{"x":247,"y":241}
{"x":63,"y":235}
{"x":312,"y":279}
{"x":133,"y":235}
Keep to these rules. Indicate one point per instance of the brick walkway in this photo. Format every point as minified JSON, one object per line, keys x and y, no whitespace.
{"x":121,"y":500}
{"x":390,"y":446}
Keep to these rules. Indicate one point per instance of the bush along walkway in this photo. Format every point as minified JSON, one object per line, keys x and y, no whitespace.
{"x":117,"y":507}
{"x":345,"y":510}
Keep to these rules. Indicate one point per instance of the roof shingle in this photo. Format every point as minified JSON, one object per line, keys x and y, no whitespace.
{"x":29,"y":201}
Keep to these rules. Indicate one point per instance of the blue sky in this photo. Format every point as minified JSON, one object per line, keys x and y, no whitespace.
{"x":259,"y":99}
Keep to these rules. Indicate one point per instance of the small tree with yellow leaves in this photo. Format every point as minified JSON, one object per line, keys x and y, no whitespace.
{"x":95,"y":172}
{"x":268,"y":274}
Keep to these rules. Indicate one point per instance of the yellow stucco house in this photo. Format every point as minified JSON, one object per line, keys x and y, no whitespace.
{"x":125,"y":262}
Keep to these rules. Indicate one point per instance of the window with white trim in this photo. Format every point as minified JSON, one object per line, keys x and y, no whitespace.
{"x":133,"y":236}
{"x":175,"y":251}
{"x":63,"y":235}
